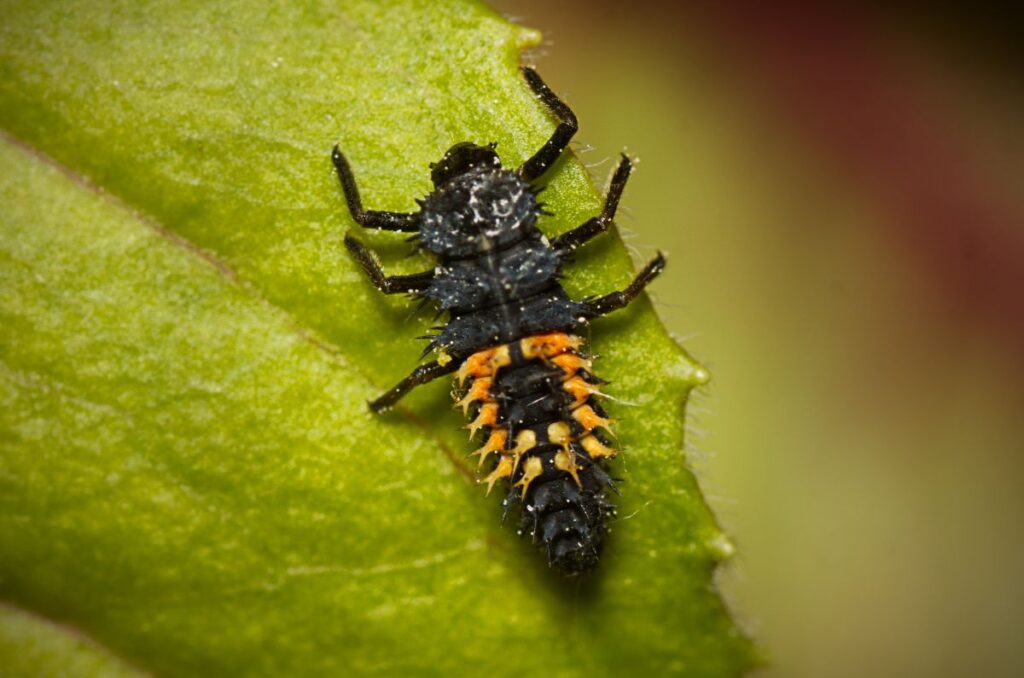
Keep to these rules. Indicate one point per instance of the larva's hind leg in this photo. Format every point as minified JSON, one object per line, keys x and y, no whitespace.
{"x":595,"y":308}
{"x":421,"y":375}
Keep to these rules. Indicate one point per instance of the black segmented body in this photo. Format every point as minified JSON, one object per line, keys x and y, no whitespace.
{"x":497,"y":276}
{"x":509,"y":329}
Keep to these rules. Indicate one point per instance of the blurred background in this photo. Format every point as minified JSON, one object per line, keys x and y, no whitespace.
{"x":841,"y":193}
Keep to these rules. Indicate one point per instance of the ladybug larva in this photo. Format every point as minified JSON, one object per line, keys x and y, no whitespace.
{"x":512,"y":336}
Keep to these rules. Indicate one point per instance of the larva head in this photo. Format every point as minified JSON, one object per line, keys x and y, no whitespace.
{"x":461,"y":158}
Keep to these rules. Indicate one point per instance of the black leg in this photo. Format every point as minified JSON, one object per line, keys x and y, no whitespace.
{"x":388,"y":284}
{"x":616,"y":300}
{"x":389,"y":221}
{"x":421,"y":375}
{"x":567,"y":126}
{"x":570,"y":240}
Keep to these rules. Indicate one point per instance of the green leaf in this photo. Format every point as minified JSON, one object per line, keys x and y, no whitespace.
{"x":189,"y":475}
{"x":30,"y":646}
